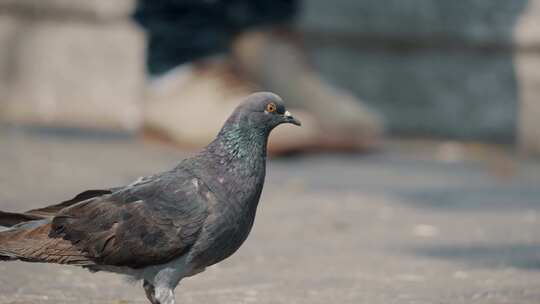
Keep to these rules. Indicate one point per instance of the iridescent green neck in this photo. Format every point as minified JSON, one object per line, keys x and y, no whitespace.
{"x":238,"y":156}
{"x":239,"y":143}
{"x":234,"y":164}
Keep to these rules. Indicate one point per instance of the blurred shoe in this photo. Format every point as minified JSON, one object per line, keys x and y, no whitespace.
{"x":278,"y":64}
{"x":189,"y":104}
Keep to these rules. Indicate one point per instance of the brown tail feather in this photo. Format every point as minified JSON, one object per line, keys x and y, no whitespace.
{"x":28,"y":239}
{"x":31,"y":243}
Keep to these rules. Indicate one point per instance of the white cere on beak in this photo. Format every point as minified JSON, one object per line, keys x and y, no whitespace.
{"x":287,"y":114}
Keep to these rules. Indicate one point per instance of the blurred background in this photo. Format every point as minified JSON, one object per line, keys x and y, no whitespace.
{"x":414,"y":179}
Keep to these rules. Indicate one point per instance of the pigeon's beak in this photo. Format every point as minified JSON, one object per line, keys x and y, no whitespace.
{"x":290,"y":119}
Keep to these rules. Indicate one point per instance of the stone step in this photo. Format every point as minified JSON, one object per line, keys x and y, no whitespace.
{"x":73,"y":74}
{"x":88,"y":10}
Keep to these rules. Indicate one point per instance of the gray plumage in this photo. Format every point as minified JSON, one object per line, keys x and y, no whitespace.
{"x":163,"y":227}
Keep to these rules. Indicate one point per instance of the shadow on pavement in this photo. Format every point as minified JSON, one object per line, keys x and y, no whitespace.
{"x":466,"y":198}
{"x":522,"y":256}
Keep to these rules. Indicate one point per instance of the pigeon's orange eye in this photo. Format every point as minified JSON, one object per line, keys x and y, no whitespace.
{"x":271,"y":107}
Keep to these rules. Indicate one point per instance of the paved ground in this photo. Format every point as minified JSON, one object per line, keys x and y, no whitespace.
{"x":419,"y":223}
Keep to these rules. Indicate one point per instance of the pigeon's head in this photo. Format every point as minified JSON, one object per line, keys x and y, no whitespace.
{"x":263,"y":110}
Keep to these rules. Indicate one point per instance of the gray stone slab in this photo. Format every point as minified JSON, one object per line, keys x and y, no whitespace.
{"x":475,"y":22}
{"x":436,"y":68}
{"x":457,"y":93}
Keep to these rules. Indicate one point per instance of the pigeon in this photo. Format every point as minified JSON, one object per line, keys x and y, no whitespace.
{"x":164,"y":227}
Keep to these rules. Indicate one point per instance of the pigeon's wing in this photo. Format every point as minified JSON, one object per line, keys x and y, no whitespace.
{"x":9,"y":219}
{"x":146,"y":224}
{"x":52,"y":210}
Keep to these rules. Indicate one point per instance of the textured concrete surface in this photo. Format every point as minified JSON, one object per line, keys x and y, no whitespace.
{"x":418,"y":223}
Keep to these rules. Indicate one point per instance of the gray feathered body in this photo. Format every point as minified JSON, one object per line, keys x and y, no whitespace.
{"x":235,"y":180}
{"x":202,"y":211}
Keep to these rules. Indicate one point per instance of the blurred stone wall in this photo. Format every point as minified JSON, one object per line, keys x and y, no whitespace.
{"x":456,"y":69}
{"x":76,"y":63}
{"x":527,"y":63}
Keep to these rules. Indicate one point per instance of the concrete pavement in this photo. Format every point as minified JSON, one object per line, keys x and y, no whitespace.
{"x":413,"y":224}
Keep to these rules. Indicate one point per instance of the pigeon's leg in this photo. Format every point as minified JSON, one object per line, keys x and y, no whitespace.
{"x":150,"y":292}
{"x":165,"y":281}
{"x":164,"y":295}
